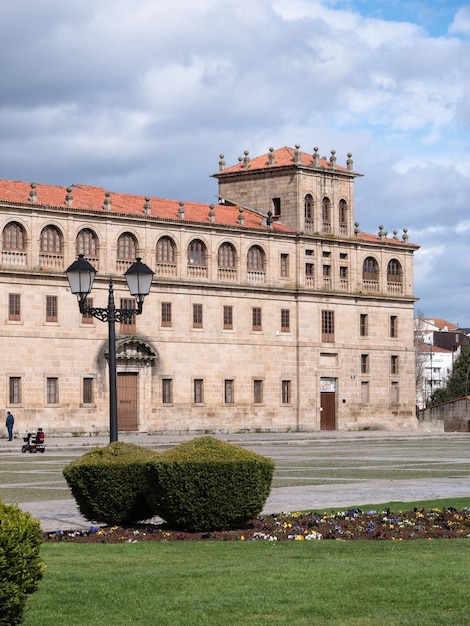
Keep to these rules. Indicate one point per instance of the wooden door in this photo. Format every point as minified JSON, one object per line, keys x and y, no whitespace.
{"x":328,"y":410}
{"x":127,"y":400}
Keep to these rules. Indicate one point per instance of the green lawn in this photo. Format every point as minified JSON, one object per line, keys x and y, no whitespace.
{"x":255,"y":584}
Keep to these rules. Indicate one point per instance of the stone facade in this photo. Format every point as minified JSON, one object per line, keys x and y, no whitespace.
{"x":269,"y":311}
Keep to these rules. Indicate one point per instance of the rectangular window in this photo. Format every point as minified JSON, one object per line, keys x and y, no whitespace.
{"x":167,"y":390}
{"x":52,"y":390}
{"x":328,"y":326}
{"x":285,"y":320}
{"x":51,"y":309}
{"x":197,"y":315}
{"x":88,"y":391}
{"x":286,"y":392}
{"x":14,"y":307}
{"x":256,"y":313}
{"x":86,"y":317}
{"x":14,"y":390}
{"x":394,"y":364}
{"x":284,"y":265}
{"x":228,"y":317}
{"x":343,"y":255}
{"x":364,"y":363}
{"x":393,"y":326}
{"x":365,"y":392}
{"x":258,"y":391}
{"x":394,"y":393}
{"x":198,"y":391}
{"x":309,"y":271}
{"x":128,"y":325}
{"x":364,"y":325}
{"x":326,"y":254}
{"x":166,"y":314}
{"x":228,"y":391}
{"x":343,"y":272}
{"x":277,"y":207}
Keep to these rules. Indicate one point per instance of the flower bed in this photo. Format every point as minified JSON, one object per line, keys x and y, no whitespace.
{"x":352,"y":524}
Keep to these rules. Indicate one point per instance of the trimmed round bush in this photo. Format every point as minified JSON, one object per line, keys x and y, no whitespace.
{"x":207,"y":484}
{"x":21,"y":567}
{"x":109,"y":484}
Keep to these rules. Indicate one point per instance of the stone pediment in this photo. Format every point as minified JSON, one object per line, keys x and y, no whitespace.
{"x":135,"y":349}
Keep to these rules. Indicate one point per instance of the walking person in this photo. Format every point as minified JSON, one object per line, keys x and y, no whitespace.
{"x":9,"y":424}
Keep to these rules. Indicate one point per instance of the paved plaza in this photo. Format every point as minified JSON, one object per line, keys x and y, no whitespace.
{"x":295,"y":454}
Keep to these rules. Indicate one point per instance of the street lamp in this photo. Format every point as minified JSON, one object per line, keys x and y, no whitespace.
{"x":81,"y":275}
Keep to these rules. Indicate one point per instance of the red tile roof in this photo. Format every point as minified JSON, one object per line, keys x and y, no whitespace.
{"x":440,"y":323}
{"x":89,"y":198}
{"x":281,"y":157}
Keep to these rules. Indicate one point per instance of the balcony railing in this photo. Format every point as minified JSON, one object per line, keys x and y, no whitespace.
{"x":228,"y":274}
{"x":51,"y":260}
{"x":13,"y":257}
{"x":165,"y":269}
{"x":198,"y":271}
{"x":394,"y":287}
{"x":370,"y":285}
{"x":253,"y":276}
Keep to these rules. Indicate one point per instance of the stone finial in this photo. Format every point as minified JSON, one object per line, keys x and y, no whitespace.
{"x":405,"y":235}
{"x":246,"y":160}
{"x":33,"y":194}
{"x":221,"y":162}
{"x":271,"y":159}
{"x":211,"y":213}
{"x":240,"y":160}
{"x":316,"y":157}
{"x":349,"y":162}
{"x":382,"y":233}
{"x":297,"y":154}
{"x":357,"y":230}
{"x":241,"y":217}
{"x":395,"y":234}
{"x":269,"y":219}
{"x":107,"y":201}
{"x":181,"y":211}
{"x":333,"y":159}
{"x":147,"y":206}
{"x":69,"y":197}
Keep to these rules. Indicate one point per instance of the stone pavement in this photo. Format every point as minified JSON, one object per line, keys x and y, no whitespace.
{"x":64,"y":515}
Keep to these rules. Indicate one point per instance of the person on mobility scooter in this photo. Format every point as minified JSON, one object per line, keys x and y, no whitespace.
{"x":34,"y":442}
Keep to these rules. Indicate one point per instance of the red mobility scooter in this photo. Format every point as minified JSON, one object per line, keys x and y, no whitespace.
{"x":34,"y":442}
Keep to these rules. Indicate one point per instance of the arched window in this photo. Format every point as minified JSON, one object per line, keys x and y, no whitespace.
{"x":308,"y":204}
{"x":166,"y":250}
{"x":394,"y":272}
{"x":370,"y":269}
{"x":227,"y":255}
{"x":256,"y":259}
{"x":343,"y":208}
{"x":13,"y":237}
{"x":326,"y":209}
{"x":127,"y":247}
{"x":197,"y":253}
{"x":50,"y":240}
{"x":87,"y":243}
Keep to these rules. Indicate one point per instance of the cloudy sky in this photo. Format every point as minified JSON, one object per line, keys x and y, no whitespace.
{"x":142,"y":96}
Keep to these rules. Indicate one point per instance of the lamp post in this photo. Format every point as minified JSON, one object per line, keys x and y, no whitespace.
{"x":81,"y":275}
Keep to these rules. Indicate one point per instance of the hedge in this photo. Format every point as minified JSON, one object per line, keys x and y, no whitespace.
{"x":207,"y":484}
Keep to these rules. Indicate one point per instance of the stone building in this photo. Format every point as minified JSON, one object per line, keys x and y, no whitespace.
{"x":269,"y":311}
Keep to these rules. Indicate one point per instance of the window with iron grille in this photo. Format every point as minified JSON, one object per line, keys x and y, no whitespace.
{"x":166,"y":314}
{"x":258,"y":391}
{"x":285,"y":320}
{"x":328,"y":326}
{"x":286,"y":392}
{"x":14,"y":395}
{"x":14,"y":306}
{"x":228,"y":391}
{"x":228,"y":317}
{"x":88,"y":390}
{"x":52,"y":390}
{"x":197,"y":315}
{"x":394,"y":364}
{"x":51,"y":309}
{"x":363,"y":325}
{"x":364,"y":363}
{"x":256,"y":318}
{"x":87,"y":318}
{"x":309,"y":269}
{"x":128,"y":326}
{"x":393,"y":326}
{"x":198,"y":391}
{"x":167,"y":390}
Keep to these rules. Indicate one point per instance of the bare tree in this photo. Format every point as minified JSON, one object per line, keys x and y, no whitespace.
{"x":421,"y":357}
